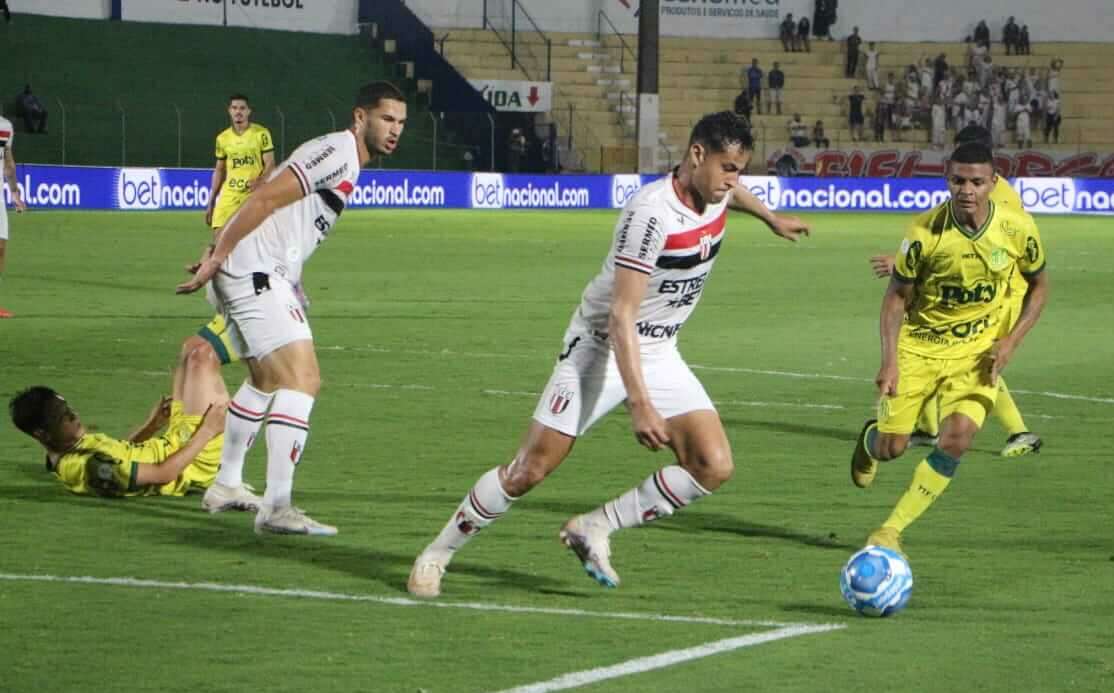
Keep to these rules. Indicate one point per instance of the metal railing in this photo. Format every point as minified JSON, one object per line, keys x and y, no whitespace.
{"x":117,"y":132}
{"x":624,"y":49}
{"x":529,"y":48}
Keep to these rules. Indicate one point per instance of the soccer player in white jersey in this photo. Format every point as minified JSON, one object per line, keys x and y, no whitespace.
{"x":621,"y":346}
{"x":7,"y":160}
{"x":254,"y":263}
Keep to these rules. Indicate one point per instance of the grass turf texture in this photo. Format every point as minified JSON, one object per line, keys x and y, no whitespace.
{"x":432,"y":330}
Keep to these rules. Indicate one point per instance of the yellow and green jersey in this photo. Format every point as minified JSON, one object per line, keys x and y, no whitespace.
{"x":961,"y":278}
{"x":243,"y":157}
{"x":1004,"y":195}
{"x":102,"y":465}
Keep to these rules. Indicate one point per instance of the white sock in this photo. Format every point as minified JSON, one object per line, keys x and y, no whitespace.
{"x":287,"y":430}
{"x":666,"y":491}
{"x":484,"y":504}
{"x":241,"y":424}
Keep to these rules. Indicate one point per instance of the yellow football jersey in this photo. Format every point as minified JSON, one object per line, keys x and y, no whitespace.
{"x":102,"y":465}
{"x":1004,"y":195}
{"x":243,"y":157}
{"x":961,"y":278}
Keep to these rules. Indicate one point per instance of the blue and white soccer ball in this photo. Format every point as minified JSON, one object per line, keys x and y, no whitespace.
{"x":877,"y":581}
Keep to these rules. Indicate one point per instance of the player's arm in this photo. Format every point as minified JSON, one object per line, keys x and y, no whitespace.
{"x":883,"y":265}
{"x":898,"y":294}
{"x":155,"y":422}
{"x":280,"y":191}
{"x":787,"y":226}
{"x":1035,"y":298}
{"x":220,"y":172}
{"x":648,"y":424}
{"x":169,"y":469}
{"x":10,"y":176}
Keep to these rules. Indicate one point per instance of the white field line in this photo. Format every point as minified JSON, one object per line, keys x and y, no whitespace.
{"x":402,"y":601}
{"x":666,"y":659}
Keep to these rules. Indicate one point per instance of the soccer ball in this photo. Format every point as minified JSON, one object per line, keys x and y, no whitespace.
{"x":876,"y":581}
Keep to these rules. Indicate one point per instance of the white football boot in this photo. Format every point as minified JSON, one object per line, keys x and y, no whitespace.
{"x":290,"y":520}
{"x":591,"y":542}
{"x":219,"y":498}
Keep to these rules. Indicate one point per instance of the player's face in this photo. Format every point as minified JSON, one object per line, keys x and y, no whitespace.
{"x":63,"y":427}
{"x":382,"y":125}
{"x":239,"y":111}
{"x":717,"y":173}
{"x":970,"y":185}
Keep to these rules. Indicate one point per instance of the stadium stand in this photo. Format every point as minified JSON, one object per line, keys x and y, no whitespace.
{"x":127,"y":92}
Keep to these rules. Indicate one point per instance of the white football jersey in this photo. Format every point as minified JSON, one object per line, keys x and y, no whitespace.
{"x":656,"y":235}
{"x":7,"y":135}
{"x":327,"y":168}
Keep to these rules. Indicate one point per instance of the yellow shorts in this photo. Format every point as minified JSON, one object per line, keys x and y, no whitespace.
{"x":227,"y":205}
{"x":962,"y":385}
{"x":216,"y":333}
{"x":199,"y":475}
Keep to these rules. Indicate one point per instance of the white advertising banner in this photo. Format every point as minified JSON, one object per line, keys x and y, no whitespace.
{"x":317,"y":16}
{"x":81,"y":9}
{"x":507,"y":95}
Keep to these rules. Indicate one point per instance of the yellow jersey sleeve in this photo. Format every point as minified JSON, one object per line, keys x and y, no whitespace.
{"x":266,"y":143}
{"x":1031,"y":260}
{"x":104,"y":466}
{"x":220,"y":153}
{"x":910,"y":255}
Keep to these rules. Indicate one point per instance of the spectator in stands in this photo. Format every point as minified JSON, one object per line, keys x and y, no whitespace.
{"x":940,"y":69}
{"x":871,"y":54}
{"x":926,"y":81}
{"x":855,"y":113}
{"x":777,"y":84}
{"x":1055,"y":66}
{"x":754,"y":84}
{"x":853,"y":43}
{"x":998,"y":113}
{"x":798,"y":131}
{"x":939,"y":124}
{"x":982,"y":34}
{"x":983,"y":70}
{"x":881,"y":120}
{"x":6,"y":11}
{"x":787,"y":32}
{"x":1052,"y":117}
{"x":819,"y":139}
{"x":516,"y":150}
{"x":1022,"y":133}
{"x":1023,"y":47}
{"x":903,"y":119}
{"x":1011,"y":36}
{"x":889,"y":91}
{"x":34,"y":115}
{"x":823,"y":17}
{"x":743,"y":106}
{"x":975,"y":52}
{"x":802,"y":41}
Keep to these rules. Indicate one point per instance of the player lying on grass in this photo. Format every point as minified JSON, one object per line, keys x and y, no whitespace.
{"x":183,"y":458}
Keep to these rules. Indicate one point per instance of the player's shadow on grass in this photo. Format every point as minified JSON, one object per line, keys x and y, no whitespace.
{"x":841,"y":434}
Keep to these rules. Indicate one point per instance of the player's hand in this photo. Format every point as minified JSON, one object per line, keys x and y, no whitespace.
{"x":20,"y":206}
{"x":250,"y":185}
{"x":886,"y":380}
{"x":883,"y":265}
{"x":789,"y":227}
{"x":997,"y":358}
{"x":649,"y":427}
{"x":212,"y":422}
{"x":202,"y":272}
{"x":208,"y":216}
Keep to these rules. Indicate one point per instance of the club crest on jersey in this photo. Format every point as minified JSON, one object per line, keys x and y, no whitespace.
{"x":999,"y":258}
{"x":560,"y":400}
{"x":705,"y":247}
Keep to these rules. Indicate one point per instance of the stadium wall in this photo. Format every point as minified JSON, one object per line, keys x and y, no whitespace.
{"x":94,"y":187}
{"x":904,"y":20}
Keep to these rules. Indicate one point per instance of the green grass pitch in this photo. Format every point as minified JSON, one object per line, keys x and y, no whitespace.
{"x":433,"y":330}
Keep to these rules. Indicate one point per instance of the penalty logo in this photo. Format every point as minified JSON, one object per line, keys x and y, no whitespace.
{"x":560,"y":400}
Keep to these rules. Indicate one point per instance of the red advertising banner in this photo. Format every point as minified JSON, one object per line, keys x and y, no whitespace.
{"x":906,"y":163}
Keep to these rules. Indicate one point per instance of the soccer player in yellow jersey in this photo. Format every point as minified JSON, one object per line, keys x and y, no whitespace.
{"x":245,"y":154}
{"x":941,"y":329}
{"x":183,"y":458}
{"x":1020,"y":440}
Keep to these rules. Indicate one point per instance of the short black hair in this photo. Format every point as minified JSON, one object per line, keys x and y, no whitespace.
{"x":239,"y":97}
{"x":31,"y":409}
{"x":975,"y":133}
{"x":972,"y":153}
{"x":372,"y":93}
{"x":718,"y":131}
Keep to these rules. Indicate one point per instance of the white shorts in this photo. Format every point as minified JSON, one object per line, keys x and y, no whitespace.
{"x":260,"y":319}
{"x":586,"y":385}
{"x":3,"y":220}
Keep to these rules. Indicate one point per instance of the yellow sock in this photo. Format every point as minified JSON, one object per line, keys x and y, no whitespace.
{"x":929,"y":421}
{"x":931,"y":477}
{"x":1007,"y":412}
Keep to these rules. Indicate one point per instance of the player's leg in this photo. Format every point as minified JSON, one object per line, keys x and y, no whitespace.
{"x":197,"y":379}
{"x":216,"y":333}
{"x":703,"y":458}
{"x":3,"y":252}
{"x":1020,"y":441}
{"x":581,"y":389}
{"x":928,"y":424}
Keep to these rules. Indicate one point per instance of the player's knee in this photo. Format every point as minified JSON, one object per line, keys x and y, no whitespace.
{"x":891,"y":447}
{"x":955,"y":443}
{"x":716,"y":468}
{"x":310,"y":382}
{"x":525,"y":472}
{"x":198,"y":354}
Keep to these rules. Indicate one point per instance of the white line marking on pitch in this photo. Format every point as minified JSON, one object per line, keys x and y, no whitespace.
{"x":399,"y":601}
{"x":666,"y":659}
